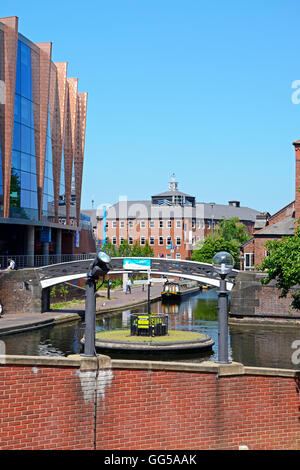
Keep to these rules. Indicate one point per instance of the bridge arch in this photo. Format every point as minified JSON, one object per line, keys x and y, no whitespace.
{"x":201,"y":272}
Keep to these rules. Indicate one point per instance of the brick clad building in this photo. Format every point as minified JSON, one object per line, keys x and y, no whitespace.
{"x":273,"y":227}
{"x":42,"y":137}
{"x":172,"y":221}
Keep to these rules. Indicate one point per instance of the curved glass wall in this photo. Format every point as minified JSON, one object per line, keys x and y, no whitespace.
{"x":48,"y":196}
{"x":23,"y":189}
{"x":62,"y":191}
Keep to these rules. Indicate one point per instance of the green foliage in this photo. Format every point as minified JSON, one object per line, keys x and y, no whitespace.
{"x":64,"y":290}
{"x":232,"y":230}
{"x":283,"y":265}
{"x":229,"y":235}
{"x":53,"y":292}
{"x":109,"y":248}
{"x":114,"y":283}
{"x":147,"y":250}
{"x":136,"y":250}
{"x":211,"y":246}
{"x":124,"y":249}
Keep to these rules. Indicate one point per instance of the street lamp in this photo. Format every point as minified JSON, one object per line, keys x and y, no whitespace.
{"x":223,"y":263}
{"x":99,"y":267}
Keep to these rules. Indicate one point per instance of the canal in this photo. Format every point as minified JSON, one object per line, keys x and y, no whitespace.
{"x":255,"y":345}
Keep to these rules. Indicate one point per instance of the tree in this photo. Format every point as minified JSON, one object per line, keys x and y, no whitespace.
{"x":230,"y":234}
{"x":282,"y":264}
{"x":232,"y":230}
{"x":109,"y":248}
{"x":124,"y":249}
{"x":136,"y":250}
{"x":211,"y":246}
{"x":147,"y":250}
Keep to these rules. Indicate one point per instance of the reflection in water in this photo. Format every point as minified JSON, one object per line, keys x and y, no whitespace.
{"x":255,"y":345}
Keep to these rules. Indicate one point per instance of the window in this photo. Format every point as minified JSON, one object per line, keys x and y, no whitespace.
{"x":178,"y":241}
{"x":169,"y":256}
{"x":169,"y":241}
{"x":208,"y":224}
{"x":142,"y":241}
{"x":249,"y":260}
{"x":142,"y":224}
{"x":114,"y":240}
{"x":151,"y":223}
{"x":121,"y":240}
{"x":193,"y":223}
{"x":130,"y":240}
{"x":169,"y":223}
{"x":106,"y":225}
{"x":130,"y":224}
{"x":161,"y":241}
{"x":122,"y":224}
{"x":178,"y":256}
{"x":114,"y":224}
{"x":151,"y":241}
{"x":178,"y":223}
{"x":161,"y":224}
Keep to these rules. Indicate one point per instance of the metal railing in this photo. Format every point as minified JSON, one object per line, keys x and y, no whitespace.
{"x":34,"y":261}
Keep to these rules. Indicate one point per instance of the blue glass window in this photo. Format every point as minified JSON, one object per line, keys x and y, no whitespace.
{"x":33,"y":164}
{"x":26,"y":139}
{"x":16,"y":160}
{"x":25,"y":180}
{"x":34,"y":202}
{"x":17,"y":108}
{"x":18,"y":75}
{"x":26,"y":112}
{"x":25,"y":198}
{"x":25,"y":162}
{"x":33,"y":182}
{"x":26,"y":79}
{"x":17,"y":137}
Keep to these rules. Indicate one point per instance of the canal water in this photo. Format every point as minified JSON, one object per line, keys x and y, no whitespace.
{"x":255,"y":345}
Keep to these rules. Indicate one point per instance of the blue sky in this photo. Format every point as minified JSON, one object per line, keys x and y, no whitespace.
{"x":199,"y":88}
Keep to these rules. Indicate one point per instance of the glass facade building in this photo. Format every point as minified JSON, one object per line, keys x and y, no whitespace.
{"x":42,"y":134}
{"x":23,"y":201}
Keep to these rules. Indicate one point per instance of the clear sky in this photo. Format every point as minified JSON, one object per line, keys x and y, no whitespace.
{"x":199,"y":88}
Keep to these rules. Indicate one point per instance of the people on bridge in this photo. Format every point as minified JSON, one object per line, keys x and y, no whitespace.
{"x":128,"y":287}
{"x":12,"y":264}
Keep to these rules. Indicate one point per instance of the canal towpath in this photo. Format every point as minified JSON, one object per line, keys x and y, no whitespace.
{"x":19,"y":322}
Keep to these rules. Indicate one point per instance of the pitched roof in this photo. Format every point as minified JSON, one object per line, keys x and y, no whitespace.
{"x":222,"y":211}
{"x":284,"y":227}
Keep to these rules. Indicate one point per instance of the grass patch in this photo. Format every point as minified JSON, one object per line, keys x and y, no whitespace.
{"x":124,"y":335}
{"x":69,"y":303}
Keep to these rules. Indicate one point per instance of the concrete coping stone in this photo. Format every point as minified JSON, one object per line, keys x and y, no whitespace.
{"x":103,"y":362}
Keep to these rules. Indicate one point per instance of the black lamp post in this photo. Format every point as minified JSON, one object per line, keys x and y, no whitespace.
{"x":223,"y":263}
{"x":99,"y":267}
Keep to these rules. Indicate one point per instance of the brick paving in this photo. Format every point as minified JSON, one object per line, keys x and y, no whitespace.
{"x":20,"y":322}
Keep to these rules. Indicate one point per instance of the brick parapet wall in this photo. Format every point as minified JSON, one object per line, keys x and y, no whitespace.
{"x":48,"y":403}
{"x":250,"y":298}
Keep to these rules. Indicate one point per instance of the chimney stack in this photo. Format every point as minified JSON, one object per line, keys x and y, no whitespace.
{"x":297,"y":179}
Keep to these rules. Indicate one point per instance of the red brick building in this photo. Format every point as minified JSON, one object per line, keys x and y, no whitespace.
{"x":171,"y":222}
{"x":273,"y":227}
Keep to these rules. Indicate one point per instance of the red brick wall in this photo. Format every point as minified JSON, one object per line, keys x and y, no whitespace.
{"x":49,"y":407}
{"x":297,"y":197}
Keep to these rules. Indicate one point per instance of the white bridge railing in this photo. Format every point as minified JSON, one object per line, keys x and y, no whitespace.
{"x":34,"y":261}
